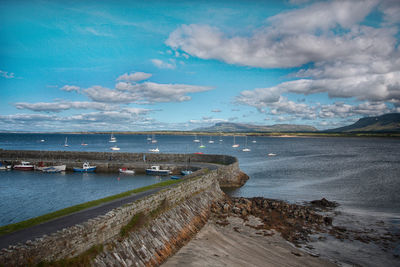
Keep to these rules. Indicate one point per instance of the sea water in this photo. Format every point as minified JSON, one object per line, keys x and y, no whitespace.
{"x":361,"y":174}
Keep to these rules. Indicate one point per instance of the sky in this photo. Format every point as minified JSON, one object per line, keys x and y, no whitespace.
{"x":181,"y":65}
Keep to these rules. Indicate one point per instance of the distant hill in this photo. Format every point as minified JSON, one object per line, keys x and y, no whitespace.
{"x":384,"y":123}
{"x":247,"y":128}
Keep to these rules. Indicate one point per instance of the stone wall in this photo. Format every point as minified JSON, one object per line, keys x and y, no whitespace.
{"x":112,"y":161}
{"x":190,"y":200}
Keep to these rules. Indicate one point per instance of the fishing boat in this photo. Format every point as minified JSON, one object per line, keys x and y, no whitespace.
{"x":54,"y":169}
{"x":66,"y":142}
{"x":126,"y":171}
{"x":246,"y":149}
{"x":155,"y":150}
{"x":234,"y":142}
{"x":24,"y":166}
{"x":85,"y":168}
{"x":155,"y":170}
{"x":115,"y":148}
{"x":112,"y":138}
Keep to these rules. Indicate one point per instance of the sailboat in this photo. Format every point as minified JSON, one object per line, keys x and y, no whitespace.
{"x":83,"y":143}
{"x":220,"y":137}
{"x":195,"y":139}
{"x":115,"y":148}
{"x":112,"y":138}
{"x":254,"y":140}
{"x":66,"y":142}
{"x":153,"y":139}
{"x":211,"y":141}
{"x":234,"y":142}
{"x":246,"y":149}
{"x":201,"y":144}
{"x":148,"y":138}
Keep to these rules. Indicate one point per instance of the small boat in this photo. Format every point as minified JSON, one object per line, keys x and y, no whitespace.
{"x":66,"y":142}
{"x":211,"y":141}
{"x":186,"y":172}
{"x":83,"y":143}
{"x":126,"y":171}
{"x":155,"y":170}
{"x":234,"y":142}
{"x":42,"y":140}
{"x":153,"y":139}
{"x":2,"y":167}
{"x":53,"y":169}
{"x":271,"y":154}
{"x":246,"y":149}
{"x":148,"y":138}
{"x":174,"y":177}
{"x":201,"y":144}
{"x":112,"y":138}
{"x":254,"y":140}
{"x":195,"y":139}
{"x":199,"y":153}
{"x":85,"y":168}
{"x":115,"y":148}
{"x":24,"y":166}
{"x":155,"y":150}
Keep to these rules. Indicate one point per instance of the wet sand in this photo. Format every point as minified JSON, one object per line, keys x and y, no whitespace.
{"x":240,"y":244}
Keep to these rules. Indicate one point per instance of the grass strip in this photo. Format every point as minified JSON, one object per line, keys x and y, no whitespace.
{"x":59,"y":213}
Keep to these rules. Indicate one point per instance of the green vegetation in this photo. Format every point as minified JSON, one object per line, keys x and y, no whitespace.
{"x":46,"y":217}
{"x":137,"y":221}
{"x":140,"y":219}
{"x":81,"y":260}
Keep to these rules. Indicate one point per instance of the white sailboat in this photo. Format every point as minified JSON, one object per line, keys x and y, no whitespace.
{"x":254,"y":140}
{"x":234,"y":142}
{"x":220,"y":137}
{"x":246,"y":149}
{"x":66,"y":142}
{"x":148,"y":138}
{"x":211,"y":141}
{"x":112,"y":138}
{"x":155,"y":150}
{"x":153,"y":139}
{"x":196,"y":140}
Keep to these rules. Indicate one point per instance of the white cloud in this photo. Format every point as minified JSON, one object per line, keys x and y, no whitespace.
{"x":134,"y":77}
{"x":102,"y":94}
{"x":154,"y":92}
{"x":216,"y":110}
{"x":6,"y":74}
{"x":70,"y":88}
{"x":164,"y":65}
{"x":61,"y":106}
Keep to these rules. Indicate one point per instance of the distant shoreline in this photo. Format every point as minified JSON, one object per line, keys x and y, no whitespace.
{"x":270,"y":134}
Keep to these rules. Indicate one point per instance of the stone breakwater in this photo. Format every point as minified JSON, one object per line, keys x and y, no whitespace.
{"x":189,"y":204}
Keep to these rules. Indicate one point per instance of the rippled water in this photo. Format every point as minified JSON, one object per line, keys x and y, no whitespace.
{"x":362,"y":174}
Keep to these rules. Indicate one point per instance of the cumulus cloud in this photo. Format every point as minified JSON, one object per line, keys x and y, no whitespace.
{"x":70,"y":88}
{"x":134,"y":77}
{"x":6,"y":74}
{"x":61,"y":106}
{"x":164,"y":65}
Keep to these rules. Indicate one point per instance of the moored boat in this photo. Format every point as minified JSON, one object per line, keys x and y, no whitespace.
{"x":155,"y":150}
{"x":115,"y":148}
{"x":53,"y":169}
{"x":24,"y":166}
{"x":175,"y":177}
{"x":155,"y":170}
{"x":186,"y":172}
{"x":126,"y":171}
{"x":85,"y":168}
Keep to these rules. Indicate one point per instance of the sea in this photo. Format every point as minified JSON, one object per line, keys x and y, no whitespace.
{"x":362,"y":174}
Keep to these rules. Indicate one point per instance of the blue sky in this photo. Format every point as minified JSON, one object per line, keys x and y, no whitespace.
{"x":180,"y":65}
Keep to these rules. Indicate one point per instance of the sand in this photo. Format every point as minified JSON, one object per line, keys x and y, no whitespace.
{"x":237,"y":244}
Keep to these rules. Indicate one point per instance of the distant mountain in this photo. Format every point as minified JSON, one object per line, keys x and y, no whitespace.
{"x":247,"y":128}
{"x":384,"y":123}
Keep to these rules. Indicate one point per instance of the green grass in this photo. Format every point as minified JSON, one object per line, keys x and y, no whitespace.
{"x":136,"y":221}
{"x":83,"y":259}
{"x":59,"y":213}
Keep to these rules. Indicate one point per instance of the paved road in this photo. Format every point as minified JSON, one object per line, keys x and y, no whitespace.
{"x":72,"y":219}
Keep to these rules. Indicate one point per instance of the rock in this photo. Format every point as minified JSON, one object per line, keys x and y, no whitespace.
{"x":226,"y":208}
{"x":324,"y":203}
